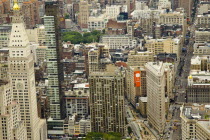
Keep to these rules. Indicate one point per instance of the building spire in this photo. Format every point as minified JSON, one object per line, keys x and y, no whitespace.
{"x":16,"y":6}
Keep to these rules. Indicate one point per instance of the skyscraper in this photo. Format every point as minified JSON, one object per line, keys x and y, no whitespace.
{"x":11,"y":126}
{"x":107,"y":100}
{"x":22,"y":78}
{"x":156,"y":95}
{"x":54,"y":67}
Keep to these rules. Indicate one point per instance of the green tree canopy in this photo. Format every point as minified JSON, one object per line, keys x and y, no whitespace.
{"x":77,"y":38}
{"x":103,"y":136}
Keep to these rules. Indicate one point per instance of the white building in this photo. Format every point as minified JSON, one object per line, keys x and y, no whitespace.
{"x":164,"y":4}
{"x":77,"y":101}
{"x":22,"y":78}
{"x":156,"y":95}
{"x":119,"y":41}
{"x":96,"y":22}
{"x":141,"y":5}
{"x":11,"y":126}
{"x":202,"y":36}
{"x":112,"y":11}
{"x":76,"y":127}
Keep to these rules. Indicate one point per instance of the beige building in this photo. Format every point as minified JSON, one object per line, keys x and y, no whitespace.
{"x":195,"y":121}
{"x":198,"y":87}
{"x":187,"y":5}
{"x":11,"y":125}
{"x":156,"y":95}
{"x":22,"y":78}
{"x":77,"y":100}
{"x":143,"y":106}
{"x":201,"y":49}
{"x":203,"y":21}
{"x":169,"y":78}
{"x":119,"y":41}
{"x":78,"y":127}
{"x":96,"y":22}
{"x":200,"y":63}
{"x":172,"y":18}
{"x":169,"y":45}
{"x":107,"y":100}
{"x":41,"y":53}
{"x":112,"y":11}
{"x":83,"y":14}
{"x":133,"y":91}
{"x":202,"y":36}
{"x":139,"y":58}
{"x":98,"y":58}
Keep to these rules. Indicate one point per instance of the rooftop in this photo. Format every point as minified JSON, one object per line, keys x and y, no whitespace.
{"x":200,"y":112}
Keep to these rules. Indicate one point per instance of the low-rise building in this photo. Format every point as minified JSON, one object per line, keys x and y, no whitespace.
{"x":115,"y":27}
{"x":195,"y":121}
{"x":201,"y":49}
{"x":198,"y":87}
{"x":200,"y":63}
{"x":76,"y":101}
{"x":203,"y":21}
{"x":77,"y":127}
{"x":142,"y":106}
{"x":169,"y":45}
{"x":112,"y":11}
{"x":202,"y":36}
{"x":119,"y":41}
{"x":96,"y":23}
{"x":139,"y":58}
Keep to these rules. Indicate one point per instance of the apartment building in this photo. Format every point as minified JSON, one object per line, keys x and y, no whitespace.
{"x":107,"y":100}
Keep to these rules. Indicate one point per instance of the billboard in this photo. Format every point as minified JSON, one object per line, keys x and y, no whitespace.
{"x":137,"y":78}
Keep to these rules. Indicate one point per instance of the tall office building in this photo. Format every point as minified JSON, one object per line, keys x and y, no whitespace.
{"x":22,"y":77}
{"x":187,"y":5}
{"x":156,"y":95}
{"x":11,"y":126}
{"x":54,"y":67}
{"x":83,"y":14}
{"x":107,"y":100}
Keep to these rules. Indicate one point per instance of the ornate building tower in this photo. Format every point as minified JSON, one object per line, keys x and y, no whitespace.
{"x":21,"y":75}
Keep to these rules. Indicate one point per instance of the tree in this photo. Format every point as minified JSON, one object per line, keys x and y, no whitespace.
{"x":77,"y":38}
{"x":129,"y":130}
{"x":105,"y":136}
